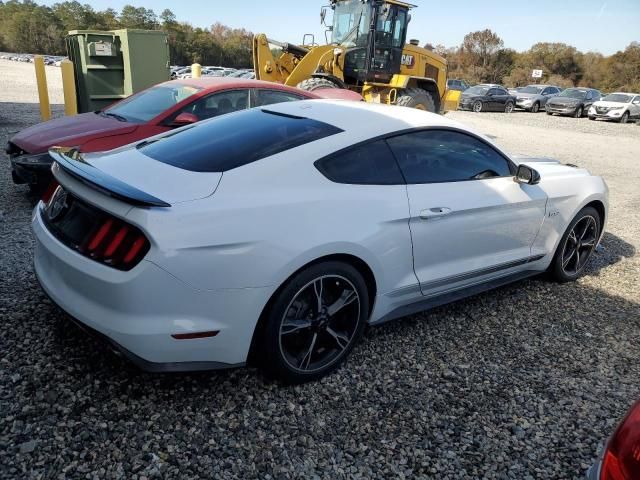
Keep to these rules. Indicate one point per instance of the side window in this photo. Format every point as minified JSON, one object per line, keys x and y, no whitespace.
{"x":637,"y":100}
{"x":368,"y":164}
{"x":268,"y":97}
{"x":496,"y":91}
{"x":547,"y":91}
{"x":218,"y":104}
{"x":398,"y":29}
{"x":590,"y":95}
{"x":435,"y":156}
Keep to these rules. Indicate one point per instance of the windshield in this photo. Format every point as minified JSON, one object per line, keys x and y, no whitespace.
{"x":618,"y":98}
{"x":144,"y":106}
{"x":530,"y":89}
{"x":476,"y":91}
{"x":350,"y":22}
{"x":573,"y":93}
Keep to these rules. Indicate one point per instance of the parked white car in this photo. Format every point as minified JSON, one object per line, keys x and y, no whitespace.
{"x":619,"y":106}
{"x":276,"y":234}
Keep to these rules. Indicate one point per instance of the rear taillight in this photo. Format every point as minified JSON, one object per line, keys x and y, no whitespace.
{"x":116,"y":243}
{"x":622,"y":457}
{"x":48,"y":193}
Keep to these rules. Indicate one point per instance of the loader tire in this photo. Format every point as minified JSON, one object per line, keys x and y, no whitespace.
{"x":417,"y":98}
{"x":311,"y":84}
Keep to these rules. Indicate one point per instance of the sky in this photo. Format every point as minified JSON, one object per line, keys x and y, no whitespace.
{"x":604,"y":26}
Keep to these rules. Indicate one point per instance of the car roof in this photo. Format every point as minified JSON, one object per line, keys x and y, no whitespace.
{"x":623,"y":93}
{"x":363,"y":120}
{"x":210,"y":84}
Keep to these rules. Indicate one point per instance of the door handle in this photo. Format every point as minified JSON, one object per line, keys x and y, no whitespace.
{"x":435,"y":212}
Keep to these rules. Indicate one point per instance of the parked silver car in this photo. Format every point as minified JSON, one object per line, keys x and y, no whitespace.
{"x":534,"y":97}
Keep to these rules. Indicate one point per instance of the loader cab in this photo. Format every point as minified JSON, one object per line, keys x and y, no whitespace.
{"x":373,"y":34}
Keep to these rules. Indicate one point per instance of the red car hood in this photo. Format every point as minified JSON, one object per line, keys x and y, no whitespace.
{"x":69,"y":132}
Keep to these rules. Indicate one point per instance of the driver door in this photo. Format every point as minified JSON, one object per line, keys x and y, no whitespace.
{"x":390,"y":34}
{"x":469,"y":220}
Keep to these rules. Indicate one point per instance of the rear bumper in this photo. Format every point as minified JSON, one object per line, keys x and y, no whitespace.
{"x":138,"y":311}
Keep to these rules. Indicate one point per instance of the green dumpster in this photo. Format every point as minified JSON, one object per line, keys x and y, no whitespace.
{"x":111,"y":65}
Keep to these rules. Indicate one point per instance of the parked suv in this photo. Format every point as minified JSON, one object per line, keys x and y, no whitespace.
{"x":573,"y":101}
{"x":534,"y":97}
{"x":616,"y":106}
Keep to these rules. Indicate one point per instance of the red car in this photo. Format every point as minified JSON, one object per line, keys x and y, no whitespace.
{"x":160,"y":108}
{"x":620,"y":460}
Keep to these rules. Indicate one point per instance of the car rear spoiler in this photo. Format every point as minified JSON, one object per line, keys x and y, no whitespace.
{"x":72,"y":162}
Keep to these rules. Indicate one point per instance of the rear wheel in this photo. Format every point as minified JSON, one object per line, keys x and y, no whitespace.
{"x":508,"y":108}
{"x":314,"y":322}
{"x":624,"y":118}
{"x":535,"y":108}
{"x":576,"y":246}
{"x":417,"y":98}
{"x":311,"y":84}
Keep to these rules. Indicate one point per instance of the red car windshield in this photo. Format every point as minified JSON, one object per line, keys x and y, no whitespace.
{"x":143,"y":106}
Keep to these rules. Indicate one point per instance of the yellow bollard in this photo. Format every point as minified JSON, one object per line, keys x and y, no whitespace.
{"x":69,"y":88}
{"x":43,"y":93}
{"x":196,"y":70}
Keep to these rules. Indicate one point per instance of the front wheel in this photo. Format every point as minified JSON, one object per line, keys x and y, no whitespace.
{"x":314,"y":322}
{"x":535,"y":108}
{"x":578,"y":113}
{"x":417,"y":98}
{"x":592,"y":117}
{"x":311,"y":84}
{"x":477,"y":106}
{"x":624,"y":118}
{"x":508,"y":108}
{"x":576,"y":246}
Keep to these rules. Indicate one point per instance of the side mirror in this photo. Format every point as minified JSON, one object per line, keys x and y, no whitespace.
{"x":527,"y":175}
{"x":184,"y":119}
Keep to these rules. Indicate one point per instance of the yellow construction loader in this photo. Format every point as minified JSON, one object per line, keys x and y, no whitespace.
{"x":367,"y":53}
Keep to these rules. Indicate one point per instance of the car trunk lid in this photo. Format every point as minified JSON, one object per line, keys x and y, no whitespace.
{"x":130,"y":176}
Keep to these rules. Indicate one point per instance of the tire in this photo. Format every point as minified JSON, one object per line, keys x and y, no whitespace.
{"x":477,"y":106}
{"x":417,"y":98}
{"x":591,"y":118}
{"x":330,"y":337}
{"x":508,"y":108}
{"x":535,"y":108}
{"x":311,"y":84}
{"x":578,"y":112}
{"x":548,"y":112}
{"x":562,"y":272}
{"x":624,"y":118}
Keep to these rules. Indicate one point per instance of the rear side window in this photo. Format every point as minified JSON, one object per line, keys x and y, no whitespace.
{"x":268,"y":97}
{"x":230,"y":141}
{"x":368,"y":164}
{"x":436,"y":156}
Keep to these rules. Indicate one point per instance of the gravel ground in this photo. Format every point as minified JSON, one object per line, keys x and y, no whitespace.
{"x":524,"y":382}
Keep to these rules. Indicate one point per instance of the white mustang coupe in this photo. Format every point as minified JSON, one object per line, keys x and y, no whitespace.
{"x":274,"y":235}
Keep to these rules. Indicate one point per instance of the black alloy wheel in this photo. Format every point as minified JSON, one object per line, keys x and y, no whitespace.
{"x":315,"y":322}
{"x":576,"y":246}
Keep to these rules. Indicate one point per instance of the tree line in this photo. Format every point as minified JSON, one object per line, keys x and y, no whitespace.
{"x":483,"y":58}
{"x":27,"y":27}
